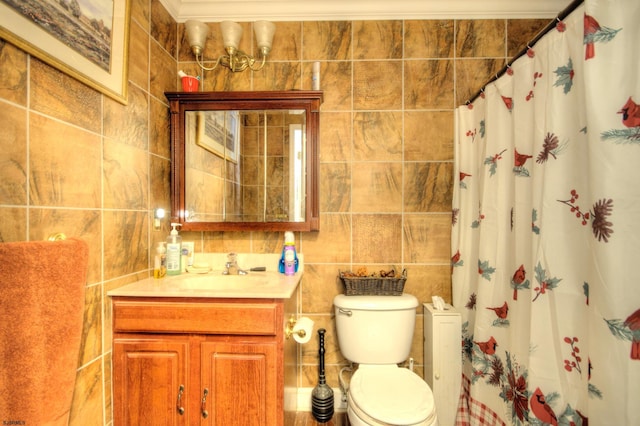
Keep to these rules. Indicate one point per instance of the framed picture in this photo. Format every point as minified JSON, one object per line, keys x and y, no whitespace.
{"x":219,"y":133}
{"x":87,"y":39}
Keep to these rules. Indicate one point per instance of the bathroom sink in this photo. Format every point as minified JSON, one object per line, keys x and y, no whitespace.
{"x":217,"y":280}
{"x":213,"y":284}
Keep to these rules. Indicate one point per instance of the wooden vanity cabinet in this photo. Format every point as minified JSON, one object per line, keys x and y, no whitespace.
{"x":216,"y":362}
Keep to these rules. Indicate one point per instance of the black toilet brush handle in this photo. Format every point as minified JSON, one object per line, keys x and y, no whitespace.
{"x":321,"y":377}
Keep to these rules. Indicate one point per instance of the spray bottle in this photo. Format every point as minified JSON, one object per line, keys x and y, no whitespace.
{"x":289,"y":258}
{"x":174,"y":251}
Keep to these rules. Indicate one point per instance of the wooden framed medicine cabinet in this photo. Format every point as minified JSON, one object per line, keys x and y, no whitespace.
{"x":245,"y":160}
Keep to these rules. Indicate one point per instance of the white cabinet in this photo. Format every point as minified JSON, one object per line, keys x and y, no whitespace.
{"x":443,"y":359}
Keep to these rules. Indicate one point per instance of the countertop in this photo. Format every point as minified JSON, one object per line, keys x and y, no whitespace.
{"x":269,"y":284}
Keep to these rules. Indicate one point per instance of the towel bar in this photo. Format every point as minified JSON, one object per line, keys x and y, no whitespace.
{"x":58,"y":236}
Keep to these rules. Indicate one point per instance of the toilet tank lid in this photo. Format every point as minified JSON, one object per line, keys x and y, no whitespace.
{"x":376,"y":303}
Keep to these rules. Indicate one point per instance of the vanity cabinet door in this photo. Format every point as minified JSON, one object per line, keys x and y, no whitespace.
{"x":150,"y":381}
{"x":241,"y":381}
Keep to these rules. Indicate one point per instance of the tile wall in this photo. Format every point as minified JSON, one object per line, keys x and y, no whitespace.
{"x":75,"y":161}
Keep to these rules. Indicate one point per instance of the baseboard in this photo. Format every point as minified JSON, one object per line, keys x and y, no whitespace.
{"x":304,"y":400}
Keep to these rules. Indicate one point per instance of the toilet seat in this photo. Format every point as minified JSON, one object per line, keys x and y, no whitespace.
{"x":389,"y":395}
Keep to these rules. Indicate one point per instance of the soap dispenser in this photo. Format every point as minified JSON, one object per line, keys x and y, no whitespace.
{"x":289,"y":258}
{"x":174,"y":251}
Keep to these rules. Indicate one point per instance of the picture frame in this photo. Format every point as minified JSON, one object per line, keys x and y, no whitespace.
{"x":219,"y":133}
{"x":79,"y":42}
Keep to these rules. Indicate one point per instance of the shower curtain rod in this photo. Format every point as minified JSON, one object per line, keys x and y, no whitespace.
{"x":551,"y":25}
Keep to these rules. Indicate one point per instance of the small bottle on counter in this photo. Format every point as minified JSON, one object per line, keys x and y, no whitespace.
{"x":174,"y":251}
{"x":160,"y":261}
{"x":289,"y":258}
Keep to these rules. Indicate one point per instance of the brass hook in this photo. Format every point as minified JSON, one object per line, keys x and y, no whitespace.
{"x":57,"y":236}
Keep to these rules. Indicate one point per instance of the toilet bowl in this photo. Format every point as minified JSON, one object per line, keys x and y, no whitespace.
{"x":376,"y":332}
{"x":389,"y":395}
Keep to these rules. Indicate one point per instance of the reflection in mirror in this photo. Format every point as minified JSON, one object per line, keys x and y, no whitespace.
{"x":245,"y":166}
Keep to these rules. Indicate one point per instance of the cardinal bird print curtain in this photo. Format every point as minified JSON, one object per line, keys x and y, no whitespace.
{"x":546,"y":229}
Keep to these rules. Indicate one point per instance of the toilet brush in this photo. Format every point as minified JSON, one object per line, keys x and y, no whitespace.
{"x":322,"y":394}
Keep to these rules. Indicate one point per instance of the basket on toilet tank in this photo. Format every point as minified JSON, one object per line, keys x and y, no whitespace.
{"x":373,"y":285}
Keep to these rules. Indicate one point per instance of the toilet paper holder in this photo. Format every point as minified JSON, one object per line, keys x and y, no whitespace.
{"x":290,"y":329}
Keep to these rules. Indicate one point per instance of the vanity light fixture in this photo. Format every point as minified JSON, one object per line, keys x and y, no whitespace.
{"x":235,"y":59}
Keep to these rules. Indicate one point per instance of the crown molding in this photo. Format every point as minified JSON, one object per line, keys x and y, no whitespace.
{"x":355,"y":10}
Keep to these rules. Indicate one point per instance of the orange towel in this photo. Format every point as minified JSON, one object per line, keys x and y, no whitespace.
{"x":42,"y":286}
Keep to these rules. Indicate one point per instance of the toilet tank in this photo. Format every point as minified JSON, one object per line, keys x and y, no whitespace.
{"x":375,"y":329}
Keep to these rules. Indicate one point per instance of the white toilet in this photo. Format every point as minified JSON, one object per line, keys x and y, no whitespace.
{"x":376,"y":333}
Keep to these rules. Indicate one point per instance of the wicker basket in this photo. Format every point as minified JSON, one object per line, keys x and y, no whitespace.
{"x":373,"y":286}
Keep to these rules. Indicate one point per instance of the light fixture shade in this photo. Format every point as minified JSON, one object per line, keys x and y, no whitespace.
{"x":264,"y":31}
{"x":197,"y":35}
{"x":231,"y":33}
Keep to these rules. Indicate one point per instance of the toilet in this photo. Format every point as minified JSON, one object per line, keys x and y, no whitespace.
{"x":376,"y":332}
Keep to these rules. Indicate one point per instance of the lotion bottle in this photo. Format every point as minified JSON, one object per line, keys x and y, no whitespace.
{"x":174,"y":251}
{"x":289,"y":258}
{"x":160,"y":262}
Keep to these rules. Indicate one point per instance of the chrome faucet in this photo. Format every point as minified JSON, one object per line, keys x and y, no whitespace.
{"x":231,"y":267}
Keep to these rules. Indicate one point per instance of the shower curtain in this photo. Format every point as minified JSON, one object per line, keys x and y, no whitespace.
{"x":546,"y":229}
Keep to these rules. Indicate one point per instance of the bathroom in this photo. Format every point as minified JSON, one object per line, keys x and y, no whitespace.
{"x":372,"y":188}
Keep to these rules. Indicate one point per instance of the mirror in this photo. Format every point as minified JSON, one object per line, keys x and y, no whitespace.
{"x":245,"y":160}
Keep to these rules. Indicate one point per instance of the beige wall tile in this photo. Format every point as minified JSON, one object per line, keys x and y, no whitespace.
{"x":162,"y":72}
{"x":140,"y":13}
{"x":426,"y":238}
{"x":377,"y":136}
{"x":335,"y":187}
{"x":13,"y":224}
{"x":13,"y":155}
{"x":335,"y":136}
{"x":125,"y":176}
{"x":163,"y":28}
{"x":472,"y":74}
{"x":378,"y":187}
{"x":159,"y":128}
{"x":377,"y":238}
{"x":128,"y":124}
{"x":65,"y":163}
{"x":91,"y":343}
{"x":428,"y":136}
{"x":87,"y":408}
{"x":159,"y":186}
{"x":333,"y":244}
{"x":335,"y":82}
{"x":59,"y":95}
{"x":106,"y":371}
{"x":126,"y":236}
{"x":377,"y":85}
{"x":377,"y":40}
{"x":428,"y":39}
{"x":287,"y":42}
{"x":428,"y":84}
{"x":520,"y":32}
{"x":480,"y":38}
{"x":428,"y":186}
{"x":13,"y":78}
{"x":320,"y":285}
{"x":323,"y":40}
{"x":139,"y":56}
{"x":424,"y":281}
{"x":278,"y":76}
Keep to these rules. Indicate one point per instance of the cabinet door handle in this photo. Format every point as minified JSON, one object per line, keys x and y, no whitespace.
{"x":179,"y":407}
{"x":203,"y":407}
